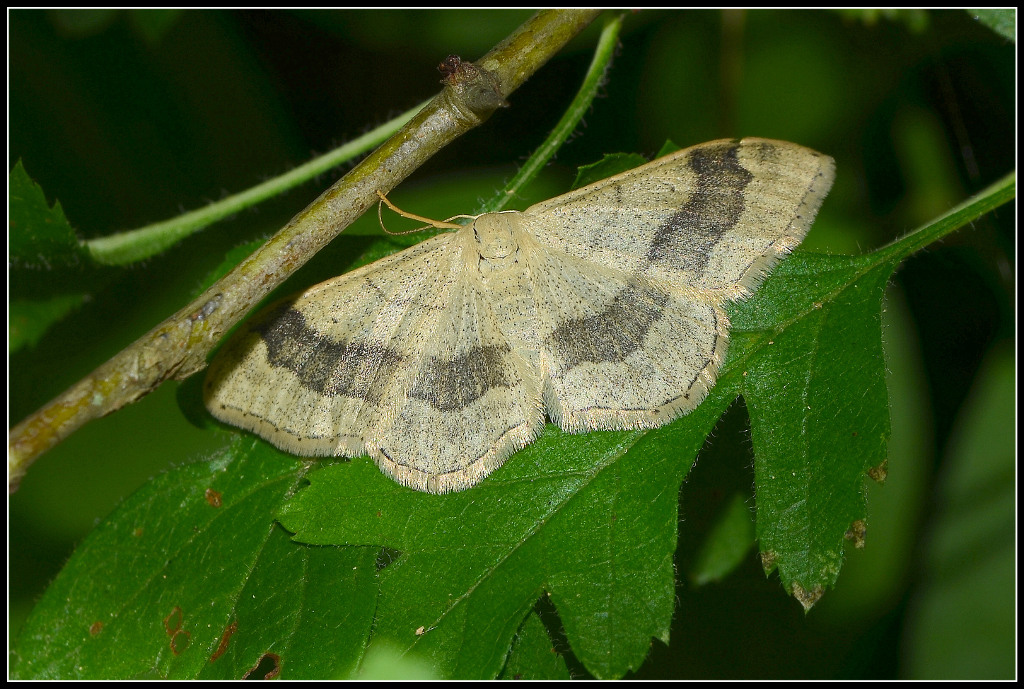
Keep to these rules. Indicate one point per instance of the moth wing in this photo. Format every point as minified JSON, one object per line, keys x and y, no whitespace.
{"x":399,"y":360}
{"x":472,"y":397}
{"x":716,"y":216}
{"x":314,"y":372}
{"x":618,"y":350}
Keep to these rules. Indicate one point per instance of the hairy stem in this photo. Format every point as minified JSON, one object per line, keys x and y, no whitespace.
{"x":141,"y":243}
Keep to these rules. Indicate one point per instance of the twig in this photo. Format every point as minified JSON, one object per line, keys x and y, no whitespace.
{"x":178,"y":346}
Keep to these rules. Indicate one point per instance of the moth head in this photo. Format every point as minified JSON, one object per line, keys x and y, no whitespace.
{"x":494,"y":237}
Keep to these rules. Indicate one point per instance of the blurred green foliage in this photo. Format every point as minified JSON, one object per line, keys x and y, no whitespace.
{"x":128,"y":117}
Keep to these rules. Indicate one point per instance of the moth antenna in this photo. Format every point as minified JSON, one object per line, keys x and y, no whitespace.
{"x":439,"y":224}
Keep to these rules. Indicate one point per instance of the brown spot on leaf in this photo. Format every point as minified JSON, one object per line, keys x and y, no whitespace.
{"x":172,"y":623}
{"x":768,"y":560}
{"x":212,"y":497}
{"x":269,"y":665}
{"x":96,"y":628}
{"x":856,"y":533}
{"x":225,"y":637}
{"x":137,"y":532}
{"x":807,"y":598}
{"x":880,"y":472}
{"x":180,"y":641}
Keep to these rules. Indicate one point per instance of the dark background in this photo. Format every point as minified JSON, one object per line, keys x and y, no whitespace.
{"x":130,"y":117}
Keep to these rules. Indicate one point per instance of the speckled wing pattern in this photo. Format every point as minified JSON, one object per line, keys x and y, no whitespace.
{"x":600,"y":309}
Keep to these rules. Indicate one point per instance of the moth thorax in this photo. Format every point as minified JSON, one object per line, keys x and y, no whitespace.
{"x":495,"y":240}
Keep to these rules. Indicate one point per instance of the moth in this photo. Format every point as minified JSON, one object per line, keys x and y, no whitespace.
{"x":603,"y":308}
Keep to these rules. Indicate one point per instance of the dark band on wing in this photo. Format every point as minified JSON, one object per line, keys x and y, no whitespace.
{"x":323,"y":365}
{"x":698,"y":381}
{"x":452,"y":384}
{"x":611,"y":335}
{"x":686,"y":239}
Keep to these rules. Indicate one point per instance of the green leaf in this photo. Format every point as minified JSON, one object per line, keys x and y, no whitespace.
{"x":728,"y":542}
{"x":610,"y":164}
{"x":614,"y":163}
{"x":532,"y":655}
{"x":46,"y":280}
{"x":589,"y":520}
{"x":317,"y":627}
{"x":191,"y":577}
{"x":814,"y":384}
{"x":39,"y":235}
{"x":1003,"y":21}
{"x":384,"y":662}
{"x":29,"y":319}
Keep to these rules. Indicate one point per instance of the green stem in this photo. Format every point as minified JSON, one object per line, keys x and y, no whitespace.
{"x":139,"y":244}
{"x":579,"y":106}
{"x":992,"y":197}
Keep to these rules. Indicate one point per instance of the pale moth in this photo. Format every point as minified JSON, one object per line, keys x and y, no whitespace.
{"x":602,"y":308}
